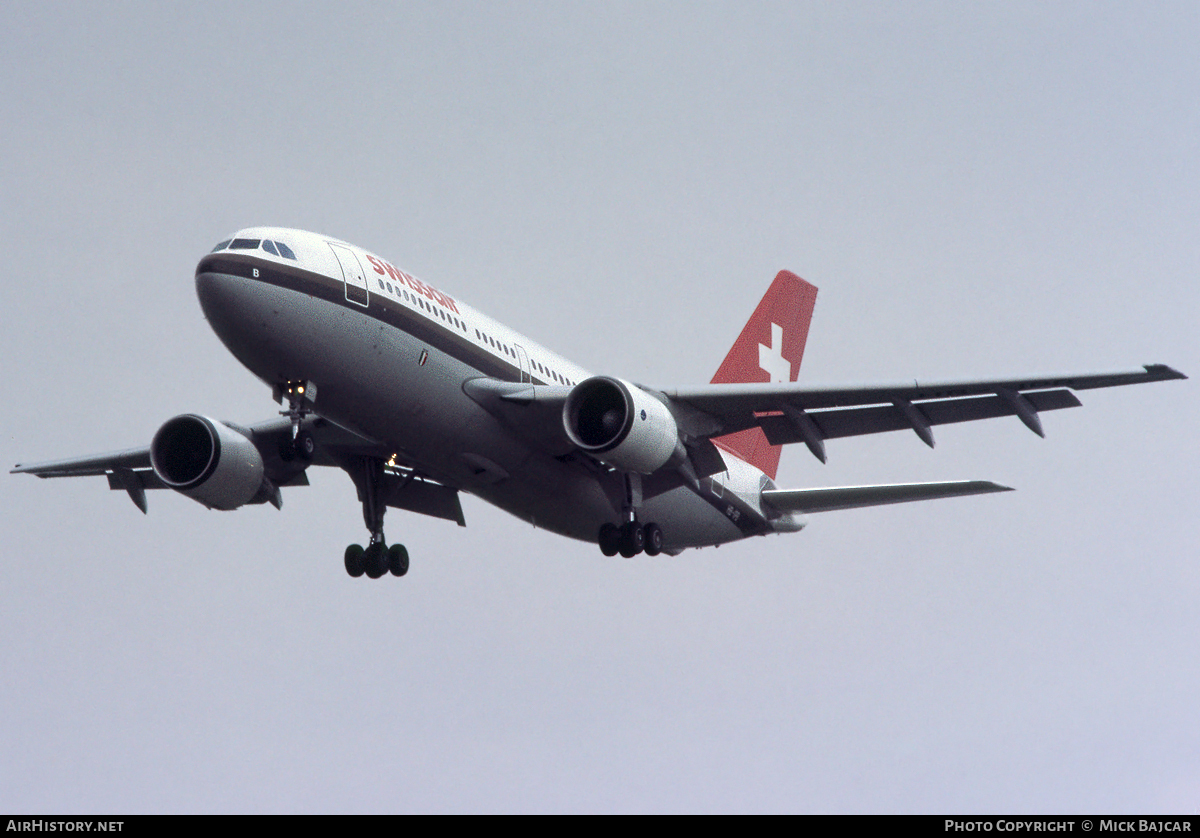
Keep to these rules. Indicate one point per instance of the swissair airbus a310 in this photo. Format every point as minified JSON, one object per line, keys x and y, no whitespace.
{"x":418,"y":397}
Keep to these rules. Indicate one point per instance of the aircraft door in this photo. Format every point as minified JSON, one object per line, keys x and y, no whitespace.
{"x":523,"y":360}
{"x":356,"y":278}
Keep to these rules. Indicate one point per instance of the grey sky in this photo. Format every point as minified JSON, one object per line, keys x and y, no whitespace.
{"x":975,"y":189}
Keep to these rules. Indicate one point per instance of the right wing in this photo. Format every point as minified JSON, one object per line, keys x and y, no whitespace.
{"x":790,"y":413}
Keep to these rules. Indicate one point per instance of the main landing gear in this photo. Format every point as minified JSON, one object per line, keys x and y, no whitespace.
{"x":376,"y":559}
{"x":631,"y":538}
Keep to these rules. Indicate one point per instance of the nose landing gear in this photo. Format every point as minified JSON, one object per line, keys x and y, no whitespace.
{"x":300,"y":395}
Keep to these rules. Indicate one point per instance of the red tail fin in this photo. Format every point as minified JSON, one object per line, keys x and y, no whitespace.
{"x":769,"y":349}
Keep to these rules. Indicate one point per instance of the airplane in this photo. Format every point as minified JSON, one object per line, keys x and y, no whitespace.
{"x":419,"y":397}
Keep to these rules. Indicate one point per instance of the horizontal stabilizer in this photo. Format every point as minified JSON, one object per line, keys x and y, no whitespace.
{"x":853,"y":497}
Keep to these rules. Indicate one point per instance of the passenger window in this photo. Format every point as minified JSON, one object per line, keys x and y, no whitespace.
{"x":270,"y":248}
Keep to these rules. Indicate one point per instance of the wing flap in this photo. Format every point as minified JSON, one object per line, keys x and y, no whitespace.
{"x":738,"y":406}
{"x":145,"y":478}
{"x":425,"y":497}
{"x":856,"y":421}
{"x":855,"y":497}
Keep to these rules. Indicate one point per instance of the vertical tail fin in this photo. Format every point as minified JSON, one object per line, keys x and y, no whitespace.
{"x":769,"y":349}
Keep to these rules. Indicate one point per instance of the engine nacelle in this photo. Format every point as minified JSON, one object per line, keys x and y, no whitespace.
{"x":207,"y":461}
{"x":620,"y":424}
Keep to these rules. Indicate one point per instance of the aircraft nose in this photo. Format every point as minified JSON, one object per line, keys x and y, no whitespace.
{"x":264,"y":326}
{"x":234,"y":308}
{"x":218,"y":295}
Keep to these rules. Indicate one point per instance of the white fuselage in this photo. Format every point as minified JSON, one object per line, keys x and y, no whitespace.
{"x":390,"y":356}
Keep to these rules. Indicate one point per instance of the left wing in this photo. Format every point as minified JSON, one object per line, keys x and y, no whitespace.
{"x":400,"y":487}
{"x":811,"y":414}
{"x":133,"y":458}
{"x":267,"y":436}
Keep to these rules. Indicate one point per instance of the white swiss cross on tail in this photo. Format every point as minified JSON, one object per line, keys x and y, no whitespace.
{"x":770,"y":358}
{"x":784,"y":314}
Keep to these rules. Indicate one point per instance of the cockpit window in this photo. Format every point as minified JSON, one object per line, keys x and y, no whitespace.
{"x":244,"y":244}
{"x":270,"y":248}
{"x":221,"y":246}
{"x":285,"y":251}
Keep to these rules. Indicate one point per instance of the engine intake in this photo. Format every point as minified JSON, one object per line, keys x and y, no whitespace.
{"x":620,"y":424}
{"x":207,"y":461}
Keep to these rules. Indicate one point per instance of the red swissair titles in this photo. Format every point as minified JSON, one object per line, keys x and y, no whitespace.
{"x":384,"y":268}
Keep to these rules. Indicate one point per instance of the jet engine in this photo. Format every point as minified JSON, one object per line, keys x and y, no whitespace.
{"x":208,"y":461}
{"x":620,"y":424}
